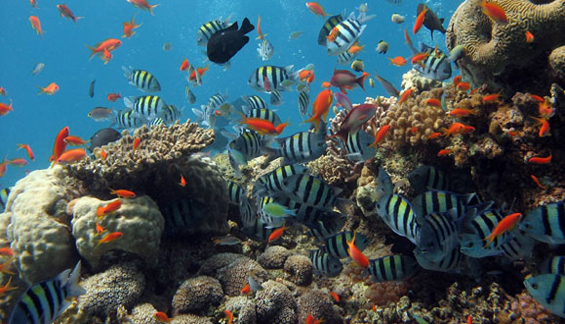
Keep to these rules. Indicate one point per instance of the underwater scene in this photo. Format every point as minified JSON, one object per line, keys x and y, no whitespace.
{"x":263,"y":162}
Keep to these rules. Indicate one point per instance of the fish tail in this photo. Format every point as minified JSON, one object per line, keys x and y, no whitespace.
{"x":151,"y":7}
{"x":92,"y":52}
{"x":71,"y":285}
{"x":361,"y":80}
{"x":246,"y":26}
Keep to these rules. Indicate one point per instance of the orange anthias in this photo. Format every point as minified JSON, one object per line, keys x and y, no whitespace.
{"x":494,"y":12}
{"x":246,"y":289}
{"x":110,"y":44}
{"x":182,"y":182}
{"x":114,"y":96}
{"x":433,"y":102}
{"x":333,"y":34}
{"x":507,"y":224}
{"x":321,"y":108}
{"x":6,"y":251}
{"x":51,"y":89}
{"x":60,"y":144}
{"x":143,"y":4}
{"x":316,"y":9}
{"x":310,"y":319}
{"x":529,"y":37}
{"x":463,"y":112}
{"x":381,"y":134}
{"x":229,"y":316}
{"x":538,"y":183}
{"x":5,"y":109}
{"x":7,"y":287}
{"x":123,"y":193}
{"x":74,"y":140}
{"x":36,"y":25}
{"x":356,"y":255}
{"x":418,"y":58}
{"x":136,"y":143}
{"x":110,"y":237}
{"x":200,"y":72}
{"x":544,"y":128}
{"x":454,"y":129}
{"x":407,"y":93}
{"x":259,"y":31}
{"x":276,"y":234}
{"x":66,"y":12}
{"x":129,"y":27}
{"x":184,"y":65}
{"x":109,"y":208}
{"x":540,"y":160}
{"x":335,"y":296}
{"x":263,"y":126}
{"x":28,"y":149}
{"x":420,"y":20}
{"x":162,"y":317}
{"x":71,"y":156}
{"x":398,"y":61}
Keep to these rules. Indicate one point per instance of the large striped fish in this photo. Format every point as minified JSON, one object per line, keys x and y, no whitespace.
{"x":440,"y":202}
{"x":329,"y":24}
{"x":438,"y":234}
{"x":546,"y":223}
{"x":549,"y":291}
{"x":210,"y":28}
{"x":473,"y":244}
{"x":348,"y":32}
{"x":428,"y":177}
{"x":398,"y":213}
{"x":336,"y":245}
{"x":301,"y":147}
{"x":271,"y":183}
{"x":141,"y":79}
{"x":325,"y":264}
{"x":392,"y":268}
{"x":148,"y":107}
{"x":268,"y":78}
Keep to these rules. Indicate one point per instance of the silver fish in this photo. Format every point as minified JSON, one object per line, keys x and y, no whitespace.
{"x":38,"y":68}
{"x":265,"y":50}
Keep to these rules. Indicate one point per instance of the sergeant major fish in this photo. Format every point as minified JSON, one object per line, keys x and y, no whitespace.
{"x":210,"y":28}
{"x":325,"y":264}
{"x":348,"y":31}
{"x":301,"y":147}
{"x":141,"y":79}
{"x":336,"y":245}
{"x":268,"y":78}
{"x":148,"y":107}
{"x":392,"y":268}
{"x":328,"y":26}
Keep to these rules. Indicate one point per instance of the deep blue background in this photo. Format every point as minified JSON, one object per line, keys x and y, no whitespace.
{"x":36,"y":119}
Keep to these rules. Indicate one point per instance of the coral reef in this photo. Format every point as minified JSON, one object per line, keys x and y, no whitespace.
{"x":196,"y":294}
{"x":557,"y":62}
{"x":497,"y":54}
{"x":300,"y":269}
{"x":138,"y":219}
{"x":143,"y":314}
{"x":274,"y":257}
{"x":414,"y":79}
{"x":243,"y":308}
{"x":275,"y":304}
{"x":320,"y":304}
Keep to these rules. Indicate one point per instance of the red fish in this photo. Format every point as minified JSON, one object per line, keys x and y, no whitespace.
{"x":333,"y":34}
{"x":544,"y":129}
{"x":18,"y":162}
{"x":456,"y":80}
{"x":491,"y":97}
{"x":420,"y":20}
{"x":109,"y":44}
{"x":74,"y":140}
{"x":507,"y":224}
{"x":184,"y":65}
{"x":276,"y":234}
{"x":66,"y":12}
{"x":3,"y":167}
{"x":463,"y":86}
{"x":540,"y":160}
{"x":103,"y":155}
{"x":28,"y":149}
{"x":310,"y":319}
{"x":136,"y":143}
{"x":60,"y":144}
{"x":356,"y":255}
{"x":263,"y":126}
{"x":2,"y":91}
{"x":129,"y":27}
{"x":321,"y":108}
{"x":398,"y":61}
{"x":354,"y":119}
{"x":454,"y":129}
{"x":355,"y":48}
{"x":444,"y":152}
{"x":405,"y":95}
{"x":33,"y":3}
{"x":51,"y":89}
{"x":326,"y":85}
{"x":418,"y":58}
{"x":182,"y":182}
{"x":538,"y":183}
{"x":162,"y":317}
{"x":494,"y":12}
{"x":335,"y":296}
{"x":462,"y":112}
{"x":529,"y":37}
{"x":110,"y":237}
{"x":7,"y":287}
{"x":143,"y":4}
{"x":123,"y":193}
{"x":433,"y":102}
{"x":36,"y":25}
{"x":537,"y":98}
{"x":114,"y":96}
{"x":106,"y":56}
{"x":99,"y":228}
{"x":109,"y":208}
{"x":434,"y":135}
{"x":316,"y":9}
{"x":6,"y":251}
{"x":381,"y":134}
{"x":5,"y":265}
{"x":545,"y":109}
{"x":259,"y":31}
{"x":200,"y":72}
{"x":5,"y":109}
{"x":229,"y":315}
{"x":246,"y":289}
{"x":71,"y":156}
{"x":344,"y":79}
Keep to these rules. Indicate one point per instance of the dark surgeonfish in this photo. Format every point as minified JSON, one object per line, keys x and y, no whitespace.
{"x":103,"y":137}
{"x":224,"y":44}
{"x":431,"y":20}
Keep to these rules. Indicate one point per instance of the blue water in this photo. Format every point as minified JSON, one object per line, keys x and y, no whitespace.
{"x":36,"y":119}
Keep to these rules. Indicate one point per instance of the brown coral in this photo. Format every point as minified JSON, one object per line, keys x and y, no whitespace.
{"x":300,"y":269}
{"x":196,"y":294}
{"x":274,"y":257}
{"x":275,"y":304}
{"x":320,"y":304}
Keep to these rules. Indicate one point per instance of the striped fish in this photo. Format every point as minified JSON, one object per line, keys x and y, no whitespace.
{"x":428,"y":177}
{"x":329,"y":24}
{"x":555,"y":265}
{"x":259,"y":231}
{"x":276,"y":98}
{"x":348,"y":32}
{"x":398,"y":213}
{"x":182,"y":215}
{"x":472,"y":244}
{"x":44,"y":302}
{"x":215,"y":101}
{"x":441,"y":202}
{"x":330,"y":223}
{"x":170,"y":114}
{"x":248,"y":145}
{"x":546,"y":223}
{"x":301,"y":147}
{"x":357,"y":146}
{"x":345,"y":58}
{"x":148,"y":107}
{"x":141,"y":79}
{"x":310,"y":190}
{"x":392,"y":268}
{"x":451,"y":263}
{"x":336,"y":245}
{"x":127,"y":119}
{"x":235,"y":191}
{"x":436,"y":66}
{"x":306,"y":214}
{"x":271,"y":183}
{"x":210,"y":28}
{"x":4,"y":193}
{"x":549,"y":291}
{"x":156,"y":122}
{"x":264,"y":113}
{"x":255,"y":102}
{"x":520,"y":247}
{"x":190,"y":97}
{"x":437,"y":235}
{"x":248,"y":212}
{"x":303,"y":102}
{"x":270,"y":220}
{"x":268,"y":78}
{"x":325,"y":264}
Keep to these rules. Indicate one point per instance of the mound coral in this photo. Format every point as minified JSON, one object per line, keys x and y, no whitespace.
{"x":196,"y":294}
{"x":320,"y":304}
{"x":300,"y":269}
{"x":274,"y":257}
{"x":275,"y":304}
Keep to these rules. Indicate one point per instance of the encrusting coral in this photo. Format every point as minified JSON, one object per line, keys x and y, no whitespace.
{"x":197,"y":294}
{"x":275,"y":304}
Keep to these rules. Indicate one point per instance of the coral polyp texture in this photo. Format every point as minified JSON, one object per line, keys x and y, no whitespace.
{"x":497,"y":53}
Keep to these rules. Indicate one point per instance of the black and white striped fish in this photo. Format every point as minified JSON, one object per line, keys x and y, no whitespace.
{"x":546,"y":223}
{"x":438,"y":235}
{"x":450,"y":263}
{"x":156,"y":122}
{"x":170,"y":114}
{"x":259,"y":231}
{"x":358,"y":146}
{"x":210,"y":28}
{"x":345,"y":58}
{"x":271,"y":183}
{"x":216,"y":100}
{"x":392,"y":268}
{"x":268,"y":78}
{"x":428,"y":177}
{"x":44,"y":302}
{"x":436,"y":66}
{"x":398,"y":213}
{"x":549,"y":291}
{"x":276,"y":98}
{"x":473,"y":244}
{"x":272,"y":221}
{"x":254,"y":102}
{"x":301,"y":147}
{"x":325,"y":264}
{"x":519,"y":247}
{"x":235,"y":191}
{"x":330,"y":223}
{"x":554,"y":264}
{"x":329,"y":24}
{"x":348,"y":32}
{"x":190,"y":97}
{"x":149,"y":107}
{"x":303,"y":103}
{"x":248,"y":212}
{"x":263,"y":113}
{"x":309,"y":190}
{"x":127,"y":119}
{"x":440,"y":202}
{"x":141,"y":79}
{"x":248,"y":145}
{"x":336,"y":245}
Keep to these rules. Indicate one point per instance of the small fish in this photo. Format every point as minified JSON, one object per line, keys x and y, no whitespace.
{"x":420,"y":20}
{"x":109,"y":45}
{"x":303,"y":102}
{"x":100,"y":114}
{"x":129,"y":27}
{"x":457,"y":53}
{"x":38,"y":68}
{"x":275,"y":209}
{"x":431,"y":20}
{"x":136,"y":143}
{"x":36,"y":25}
{"x":454,"y":129}
{"x":277,"y":233}
{"x":316,"y":9}
{"x":540,"y":160}
{"x":356,"y":255}
{"x":345,"y":80}
{"x":491,"y":97}
{"x":265,"y":50}
{"x":335,"y":296}
{"x":371,"y":82}
{"x":398,"y":61}
{"x":382,"y":47}
{"x":106,"y":56}
{"x":494,"y":11}
{"x":91,"y":89}
{"x":405,"y":95}
{"x":276,"y":98}
{"x":295,"y":34}
{"x":259,"y":31}
{"x":392,"y":268}
{"x":162,"y":317}
{"x":246,"y":290}
{"x":463,"y":112}
{"x":109,"y":208}
{"x":418,"y":58}
{"x":381,"y":134}
{"x":387,"y":85}
{"x":60,"y":144}
{"x":312,"y":320}
{"x":2,"y":91}
{"x":7,"y":287}
{"x":263,"y":126}
{"x":51,"y":89}
{"x":18,"y":162}
{"x":33,"y":3}
{"x":396,"y":18}
{"x":358,"y":65}
{"x":123,"y":193}
{"x":5,"y":109}
{"x":333,"y":34}
{"x":99,"y":229}
{"x":544,"y":128}
{"x":190,"y":97}
{"x":267,"y":78}
{"x":538,"y":183}
{"x":543,"y":223}
{"x":433,"y":102}
{"x":141,"y":79}
{"x":143,"y":4}
{"x":71,"y":156}
{"x":182,"y":182}
{"x":6,"y":251}
{"x":349,"y":31}
{"x":110,"y":237}
{"x":254,"y":284}
{"x":229,"y":316}
{"x":529,"y":37}
{"x":66,"y":12}
{"x":227,"y":240}
{"x":444,"y":152}
{"x":74,"y":140}
{"x":325,"y":264}
{"x":548,"y":290}
{"x":463,"y":86}
{"x":354,"y":49}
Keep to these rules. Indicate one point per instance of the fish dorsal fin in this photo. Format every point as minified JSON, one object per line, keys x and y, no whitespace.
{"x":233,"y":26}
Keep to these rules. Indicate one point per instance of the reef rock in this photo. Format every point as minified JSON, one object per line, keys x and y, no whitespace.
{"x":196,"y":294}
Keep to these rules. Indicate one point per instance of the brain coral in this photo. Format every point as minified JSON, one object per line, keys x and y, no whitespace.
{"x":196,"y":294}
{"x":498,"y":54}
{"x":138,"y":219}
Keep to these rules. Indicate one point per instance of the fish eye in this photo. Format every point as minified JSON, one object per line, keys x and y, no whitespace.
{"x":470,"y":244}
{"x":528,"y":225}
{"x":535,"y":285}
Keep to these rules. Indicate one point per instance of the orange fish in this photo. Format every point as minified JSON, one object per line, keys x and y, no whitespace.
{"x":5,"y":109}
{"x":316,"y":9}
{"x":110,"y":237}
{"x":529,"y":37}
{"x":536,"y":180}
{"x":33,"y":3}
{"x":321,"y":108}
{"x":123,"y":193}
{"x":454,"y":129}
{"x":136,"y":143}
{"x":129,"y":27}
{"x":418,"y":58}
{"x":276,"y":234}
{"x":381,"y":134}
{"x":456,"y":80}
{"x":7,"y":287}
{"x":3,"y":167}
{"x":398,"y":61}
{"x":18,"y":162}
{"x":229,"y":315}
{"x":433,"y":102}
{"x":6,"y":251}
{"x":103,"y":155}
{"x":540,"y":160}
{"x":200,"y":72}
{"x":304,"y":74}
{"x":182,"y":181}
{"x":246,"y":289}
{"x":259,"y":31}
{"x":463,"y":112}
{"x":28,"y":149}
{"x":544,"y":129}
{"x":405,"y":95}
{"x":66,"y":12}
{"x":507,"y":224}
{"x":356,"y":255}
{"x":444,"y":152}
{"x":494,"y":12}
{"x":413,"y":130}
{"x":420,"y":20}
{"x":36,"y":25}
{"x":106,"y":56}
{"x":463,"y":86}
{"x":310,"y":319}
{"x":143,"y":4}
{"x":109,"y":44}
{"x":162,"y":317}
{"x":491,"y":97}
{"x":537,"y":98}
{"x":355,"y":49}
{"x":184,"y":65}
{"x":114,"y":96}
{"x":333,"y":34}
{"x":60,"y":144}
{"x":74,"y":140}
{"x":71,"y":156}
{"x":5,"y":265}
{"x":545,"y":109}
{"x":434,"y":135}
{"x":335,"y":296}
{"x":263,"y":126}
{"x":469,"y":319}
{"x":468,"y":129}
{"x":326,"y":84}
{"x":310,"y":78}
{"x":99,"y":228}
{"x":2,"y":91}
{"x":109,"y":208}
{"x":51,"y":89}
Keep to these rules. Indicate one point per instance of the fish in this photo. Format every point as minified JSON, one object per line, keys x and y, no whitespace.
{"x":263,"y":126}
{"x":451,"y":263}
{"x":398,"y":61}
{"x":472,"y":240}
{"x":129,"y":27}
{"x":381,"y":134}
{"x":544,"y":223}
{"x":44,"y":302}
{"x":539,"y":159}
{"x":248,"y":145}
{"x":6,"y":251}
{"x":438,"y":234}
{"x":355,"y":48}
{"x":320,"y":109}
{"x":325,"y":264}
{"x":392,"y":268}
{"x":51,"y":89}
{"x":227,"y":241}
{"x":110,"y":237}
{"x":265,"y":50}
{"x":103,"y":137}
{"x":271,"y":183}
{"x":190,"y":97}
{"x":354,"y":119}
{"x":420,"y":20}
{"x":28,"y":151}
{"x":439,"y":201}
{"x":91,"y":89}
{"x":276,"y":98}
{"x":329,"y":24}
{"x":277,"y":234}
{"x":263,"y":113}
{"x":398,"y":213}
{"x":309,"y":190}
{"x":111,"y":207}
{"x":18,"y":162}
{"x":38,"y":68}
{"x":396,"y":18}
{"x":209,"y":28}
{"x":36,"y":25}
{"x":274,"y":76}
{"x":272,"y":213}
{"x":66,"y":12}
{"x":224,"y":44}
{"x":301,"y":147}
{"x":128,"y":119}
{"x":358,"y":146}
{"x":229,"y":316}
{"x":143,"y":4}
{"x":431,"y":20}
{"x":537,"y":182}
{"x":548,"y":290}
{"x":316,"y":9}
{"x":71,"y":156}
{"x":457,"y":53}
{"x":4,"y":194}
{"x":59,"y":145}
{"x":356,"y":255}
{"x":143,"y":80}
{"x":554,"y":265}
{"x":254,"y":102}
{"x":529,"y":37}
{"x":123,"y":193}
{"x":303,"y":103}
{"x":428,"y":177}
{"x":349,"y":31}
{"x":494,"y":11}
{"x":358,"y":66}
{"x":387,"y":85}
{"x":335,"y":296}
{"x":436,"y":66}
{"x":146,"y":107}
{"x":170,"y":114}
{"x":182,"y":182}
{"x":162,"y":317}
{"x":114,"y":96}
{"x":195,"y":75}
{"x":382,"y":47}
{"x":345,"y":58}
{"x":74,"y":140}
{"x":5,"y":109}
{"x":507,"y":224}
{"x":345,"y":80}
{"x":295,"y":34}
{"x":343,"y":101}
{"x":310,"y":319}
{"x":336,"y":245}
{"x":544,"y":126}
{"x":33,"y":3}
{"x":109,"y":45}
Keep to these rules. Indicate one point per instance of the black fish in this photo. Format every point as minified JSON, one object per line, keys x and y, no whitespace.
{"x":103,"y":137}
{"x":91,"y":89}
{"x":224,"y":44}
{"x":431,"y":21}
